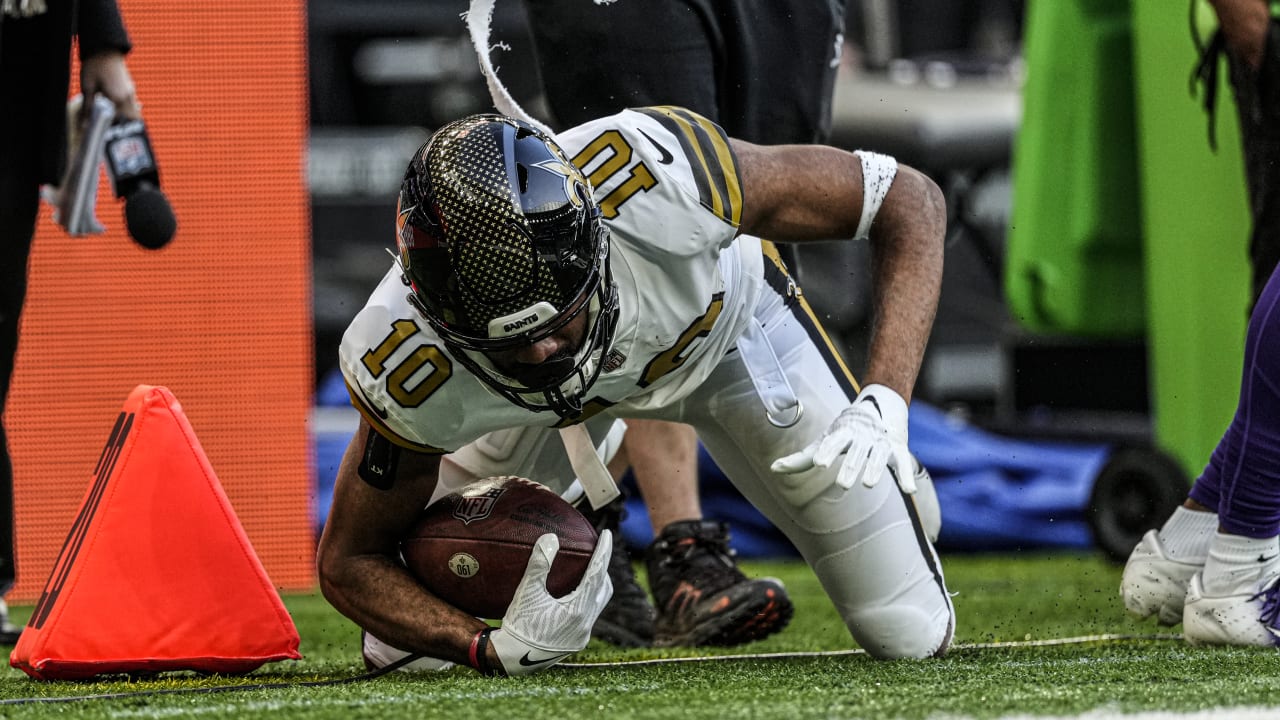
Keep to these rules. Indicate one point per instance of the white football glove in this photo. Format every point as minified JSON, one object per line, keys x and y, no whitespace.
{"x":871,"y":434}
{"x":540,"y":630}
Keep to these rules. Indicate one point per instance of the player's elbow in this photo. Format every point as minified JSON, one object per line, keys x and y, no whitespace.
{"x":923,"y":202}
{"x":331,"y":571}
{"x":913,"y":218}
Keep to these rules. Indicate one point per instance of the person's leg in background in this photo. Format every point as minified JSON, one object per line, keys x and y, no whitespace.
{"x":769,"y":102}
{"x":1235,"y":599}
{"x":19,"y":203}
{"x":1214,"y":534}
{"x":595,"y":61}
{"x":719,"y":58}
{"x":1252,"y":39}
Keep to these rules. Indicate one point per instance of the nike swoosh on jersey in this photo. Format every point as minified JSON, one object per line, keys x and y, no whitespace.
{"x":527,"y":661}
{"x":380,"y":412}
{"x":666,"y":154}
{"x":710,"y":156}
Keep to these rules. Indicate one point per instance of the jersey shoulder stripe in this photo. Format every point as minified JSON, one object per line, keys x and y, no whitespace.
{"x":714,"y":165}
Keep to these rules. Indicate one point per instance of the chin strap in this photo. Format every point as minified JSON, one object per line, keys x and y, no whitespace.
{"x":596,"y":481}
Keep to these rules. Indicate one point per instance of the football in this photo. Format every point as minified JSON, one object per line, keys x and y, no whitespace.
{"x":471,"y":547}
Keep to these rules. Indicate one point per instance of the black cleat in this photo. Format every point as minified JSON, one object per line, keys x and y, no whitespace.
{"x":702,"y":597}
{"x":627,"y":621}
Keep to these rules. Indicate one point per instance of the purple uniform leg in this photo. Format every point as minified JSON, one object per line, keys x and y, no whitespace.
{"x":1242,"y":479}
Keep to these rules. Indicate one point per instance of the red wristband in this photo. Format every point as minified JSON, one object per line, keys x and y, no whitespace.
{"x":478,"y":654}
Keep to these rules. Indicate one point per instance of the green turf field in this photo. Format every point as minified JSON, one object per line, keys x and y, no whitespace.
{"x":1008,"y":607}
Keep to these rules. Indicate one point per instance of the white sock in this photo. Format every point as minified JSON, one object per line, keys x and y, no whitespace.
{"x":1186,"y":535}
{"x":1236,"y":562}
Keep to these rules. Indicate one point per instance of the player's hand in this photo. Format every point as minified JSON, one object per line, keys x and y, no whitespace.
{"x":871,"y":434}
{"x":540,"y":630}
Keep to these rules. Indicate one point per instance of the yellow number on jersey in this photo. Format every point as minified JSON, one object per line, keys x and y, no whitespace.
{"x":674,"y":356}
{"x":639,"y":178}
{"x":375,"y":361}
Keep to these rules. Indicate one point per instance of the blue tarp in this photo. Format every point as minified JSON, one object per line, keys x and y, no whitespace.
{"x":995,"y":492}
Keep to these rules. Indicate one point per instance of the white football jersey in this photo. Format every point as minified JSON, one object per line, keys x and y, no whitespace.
{"x":669,"y":189}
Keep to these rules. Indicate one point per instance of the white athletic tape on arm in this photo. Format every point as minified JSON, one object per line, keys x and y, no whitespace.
{"x":878,"y":172}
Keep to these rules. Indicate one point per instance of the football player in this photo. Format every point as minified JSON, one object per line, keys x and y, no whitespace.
{"x":1214,"y":565}
{"x":544,"y":288}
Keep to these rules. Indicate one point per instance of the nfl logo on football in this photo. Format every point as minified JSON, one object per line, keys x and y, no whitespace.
{"x":476,"y":507}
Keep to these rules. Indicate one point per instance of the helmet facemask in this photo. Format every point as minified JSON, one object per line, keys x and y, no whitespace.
{"x":559,"y":384}
{"x":503,"y":246}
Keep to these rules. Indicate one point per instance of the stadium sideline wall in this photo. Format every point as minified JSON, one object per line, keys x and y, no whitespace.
{"x":222,"y":316}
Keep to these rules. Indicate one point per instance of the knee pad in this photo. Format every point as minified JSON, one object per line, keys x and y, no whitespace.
{"x":884,"y":576}
{"x":903,"y":632}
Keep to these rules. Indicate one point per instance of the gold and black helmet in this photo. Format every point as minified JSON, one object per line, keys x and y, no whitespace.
{"x":502,"y":244}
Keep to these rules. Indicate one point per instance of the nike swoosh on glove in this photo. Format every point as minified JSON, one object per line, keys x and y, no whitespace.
{"x":539,"y":630}
{"x":871,"y":434}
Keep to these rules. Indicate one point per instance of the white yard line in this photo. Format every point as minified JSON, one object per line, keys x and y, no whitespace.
{"x":1079,"y":640}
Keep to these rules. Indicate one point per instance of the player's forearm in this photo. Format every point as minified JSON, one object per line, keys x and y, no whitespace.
{"x":360,"y":574}
{"x":810,"y":192}
{"x":378,"y":595}
{"x":907,"y":250}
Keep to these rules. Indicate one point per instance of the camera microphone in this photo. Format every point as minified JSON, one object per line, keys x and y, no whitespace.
{"x":136,"y":178}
